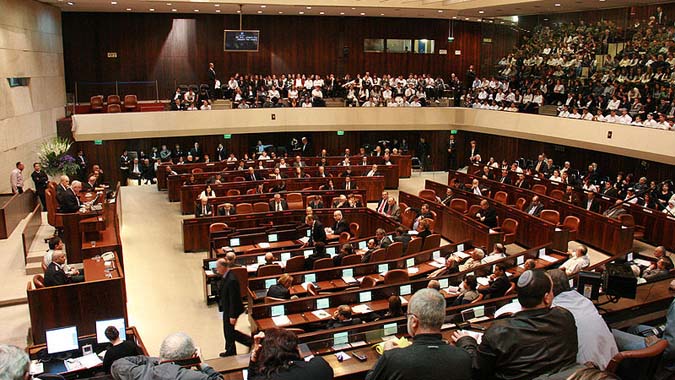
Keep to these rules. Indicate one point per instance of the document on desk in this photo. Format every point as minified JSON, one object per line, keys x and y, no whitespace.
{"x":36,"y":367}
{"x":349,"y":280}
{"x":281,"y":320}
{"x":361,"y":309}
{"x":413,"y":270}
{"x":474,"y":334}
{"x":264,"y":245}
{"x":436,"y":264}
{"x":321,"y":314}
{"x":304,"y":240}
{"x":642,"y":262}
{"x":440,"y":260}
{"x":548,"y":258}
{"x":89,"y":361}
{"x":483,"y":281}
{"x":209,"y":272}
{"x":461,"y":255}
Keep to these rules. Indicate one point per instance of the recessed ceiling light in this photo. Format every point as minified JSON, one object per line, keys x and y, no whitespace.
{"x":322,"y":13}
{"x":152,"y":9}
{"x":196,"y":10}
{"x":362,"y":13}
{"x":280,"y":12}
{"x":309,"y":7}
{"x":440,"y":11}
{"x":168,"y":3}
{"x":467,"y":19}
{"x":353,"y":8}
{"x":113,"y":2}
{"x":454,"y":17}
{"x":479,"y":20}
{"x":238,"y":11}
{"x":557,"y":4}
{"x":342,"y":13}
{"x":502,"y":22}
{"x":381,"y":14}
{"x":481,"y":12}
{"x":263,"y":6}
{"x":301,"y":12}
{"x":128,"y":9}
{"x":217,"y":10}
{"x":174,"y":10}
{"x":216,"y":5}
{"x":71,"y":3}
{"x":491,"y":21}
{"x":259,"y":11}
{"x":545,"y":19}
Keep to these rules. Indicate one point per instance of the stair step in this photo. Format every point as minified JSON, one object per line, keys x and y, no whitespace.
{"x":35,"y":257}
{"x":33,"y":269}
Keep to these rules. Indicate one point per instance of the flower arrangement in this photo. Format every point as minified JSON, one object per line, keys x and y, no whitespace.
{"x":54,"y":157}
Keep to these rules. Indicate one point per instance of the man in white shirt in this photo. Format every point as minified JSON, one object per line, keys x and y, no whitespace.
{"x":564,"y":112}
{"x":625,"y":117}
{"x":475,"y":187}
{"x":650,"y":122}
{"x":578,"y":260}
{"x":16,"y":178}
{"x":56,"y":245}
{"x":612,"y":117}
{"x":373,"y":172}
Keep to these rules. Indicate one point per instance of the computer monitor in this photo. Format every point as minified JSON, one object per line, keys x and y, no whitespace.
{"x":340,"y":338}
{"x":269,"y":282}
{"x":285,"y":256}
{"x":102,"y":325}
{"x":520,"y":260}
{"x":390,"y":329}
{"x":443,"y":282}
{"x":213,"y":264}
{"x":381,"y":268}
{"x":410,"y":262}
{"x":272,"y":238}
{"x":405,"y":290}
{"x":630,"y":256}
{"x":331,"y":251}
{"x":588,"y":284}
{"x":322,"y":303}
{"x":235,"y":242}
{"x":365,"y":297}
{"x":308,"y":233}
{"x":349,"y":272}
{"x":62,"y":340}
{"x":460,"y":247}
{"x":260,"y":260}
{"x":363,"y":244}
{"x":436,"y":255}
{"x":310,"y":277}
{"x":542,"y":252}
{"x":308,"y":252}
{"x":277,"y":310}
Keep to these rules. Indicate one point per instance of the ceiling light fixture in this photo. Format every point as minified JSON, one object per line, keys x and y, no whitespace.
{"x":342,"y":13}
{"x":196,"y":10}
{"x":71,"y":3}
{"x":440,"y":11}
{"x":363,"y":13}
{"x":128,"y":9}
{"x":259,"y":11}
{"x":309,"y":7}
{"x":216,"y":5}
{"x":113,"y":2}
{"x":301,"y":12}
{"x":280,"y":12}
{"x":481,"y":12}
{"x":217,"y":10}
{"x":152,"y":9}
{"x":263,"y":6}
{"x":557,"y":4}
{"x":322,"y":13}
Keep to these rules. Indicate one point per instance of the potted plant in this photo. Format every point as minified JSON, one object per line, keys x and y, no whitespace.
{"x":55,"y":160}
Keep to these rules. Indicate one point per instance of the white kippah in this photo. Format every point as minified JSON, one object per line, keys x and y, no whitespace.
{"x":525,"y":279}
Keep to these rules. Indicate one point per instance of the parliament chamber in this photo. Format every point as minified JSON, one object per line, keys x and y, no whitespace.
{"x":359,"y":177}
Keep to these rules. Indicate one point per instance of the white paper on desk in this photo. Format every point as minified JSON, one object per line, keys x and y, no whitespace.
{"x":548,"y":258}
{"x":360,"y":279}
{"x":36,"y":367}
{"x":328,"y":230}
{"x":413,"y":270}
{"x":483,"y":281}
{"x":341,"y":355}
{"x":558,"y":229}
{"x":304,"y":285}
{"x":412,"y":232}
{"x":641,"y":281}
{"x":349,"y":279}
{"x":209,"y":272}
{"x":440,"y":260}
{"x":73,"y":364}
{"x":461,"y":255}
{"x":321,"y":314}
{"x":452,"y":289}
{"x":361,"y":309}
{"x":264,"y":244}
{"x":281,"y":320}
{"x":252,"y":267}
{"x":624,"y":227}
{"x":360,"y":343}
{"x":446,"y":326}
{"x":474,"y":334}
{"x":403,"y":300}
{"x":509,"y":274}
{"x":642,"y":262}
{"x":90,"y":361}
{"x":492,"y":231}
{"x":304,"y":239}
{"x":436,"y":264}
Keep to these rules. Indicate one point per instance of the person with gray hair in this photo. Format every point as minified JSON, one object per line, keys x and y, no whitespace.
{"x":14,"y":363}
{"x":66,"y":196}
{"x":428,"y":355}
{"x":175,"y":347}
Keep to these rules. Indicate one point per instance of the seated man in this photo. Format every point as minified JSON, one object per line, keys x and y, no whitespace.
{"x":660,"y":272}
{"x":342,"y":317}
{"x":282,"y":288}
{"x":475,"y":260}
{"x":203,"y":208}
{"x":319,"y":253}
{"x":338,"y":227}
{"x":449,"y":195}
{"x":429,"y":356}
{"x":596,"y":343}
{"x":278,"y":204}
{"x":56,"y":245}
{"x":393,"y":210}
{"x":615,"y":211}
{"x":424,"y":213}
{"x":56,"y":274}
{"x":90,"y":185}
{"x":175,"y":347}
{"x":536,"y":341}
{"x":578,"y":260}
{"x":227,"y":210}
{"x":371,"y":247}
{"x":499,"y":283}
{"x":535,"y":206}
{"x":381,"y":240}
{"x":119,"y":348}
{"x":345,"y":250}
{"x":67,"y":199}
{"x":341,"y":202}
{"x":136,"y":170}
{"x":487,"y":214}
{"x":499,"y":252}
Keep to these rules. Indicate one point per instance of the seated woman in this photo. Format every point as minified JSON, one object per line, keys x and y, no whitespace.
{"x":467,"y":291}
{"x":275,"y":356}
{"x":282,"y":288}
{"x":207,"y":193}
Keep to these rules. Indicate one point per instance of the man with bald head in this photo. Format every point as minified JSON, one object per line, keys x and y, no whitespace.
{"x":56,"y":272}
{"x":66,"y":195}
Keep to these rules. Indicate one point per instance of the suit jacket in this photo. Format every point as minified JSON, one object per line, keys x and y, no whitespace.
{"x":379,"y":204}
{"x":595,"y":205}
{"x":87,"y":187}
{"x":505,"y":180}
{"x":251,"y":178}
{"x":315,"y":204}
{"x":522,"y":184}
{"x":490,"y":217}
{"x":318,"y":233}
{"x":446,"y":201}
{"x":340,"y":227}
{"x":394,"y":212}
{"x":199,"y":213}
{"x":352,"y":186}
{"x":273,"y":205}
{"x":229,"y":296}
{"x":384,"y":243}
{"x":611,"y":192}
{"x":68,"y":201}
{"x":497,"y":287}
{"x":56,"y":276}
{"x":222,"y":212}
{"x":40,"y":180}
{"x":537,"y":209}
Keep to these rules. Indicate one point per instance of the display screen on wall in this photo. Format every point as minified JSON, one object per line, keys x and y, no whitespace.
{"x":424,"y":46}
{"x":399,"y":46}
{"x":242,"y":40}
{"x":373,"y":45}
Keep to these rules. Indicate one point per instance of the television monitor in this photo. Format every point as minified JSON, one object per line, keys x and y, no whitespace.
{"x":272,"y":238}
{"x":410,"y":262}
{"x":242,"y":40}
{"x":405,"y":289}
{"x":102,"y":325}
{"x":235,"y":242}
{"x":365,"y":297}
{"x":390,"y":329}
{"x":322,"y":303}
{"x":62,"y":340}
{"x":381,"y":268}
{"x":269,"y":282}
{"x":213,"y":264}
{"x":437,"y":255}
{"x":331,"y":251}
{"x":277,"y":310}
{"x":285,"y":256}
{"x":349,"y":272}
{"x":310,"y":277}
{"x":308,"y":252}
{"x":340,"y":338}
{"x":443,"y":282}
{"x":460,"y":248}
{"x":363,"y":244}
{"x":520,"y":260}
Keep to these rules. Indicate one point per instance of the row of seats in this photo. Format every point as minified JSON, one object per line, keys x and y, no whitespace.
{"x":113,"y":103}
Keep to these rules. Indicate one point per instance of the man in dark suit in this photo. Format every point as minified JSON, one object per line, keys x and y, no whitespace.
{"x":393,"y":211}
{"x":340,"y":224}
{"x":229,"y":303}
{"x":278,"y":204}
{"x":196,"y":152}
{"x":504,"y":177}
{"x":305,"y":148}
{"x":319,"y":253}
{"x":55,"y":275}
{"x":82,"y":164}
{"x":227,"y":210}
{"x":203,"y":208}
{"x":349,"y":185}
{"x":610,"y":190}
{"x":41,"y":180}
{"x":449,"y":195}
{"x":382,"y":240}
{"x":315,"y":203}
{"x":535,"y":206}
{"x":125,"y":161}
{"x":541,"y":166}
{"x":590,"y":203}
{"x":383,"y":203}
{"x":487,"y":214}
{"x":521,"y":182}
{"x":90,"y":185}
{"x":402,"y":236}
{"x":499,"y":283}
{"x":570,"y":196}
{"x":473,"y":155}
{"x":422,"y":213}
{"x":372,"y":246}
{"x":67,"y":199}
{"x":212,"y":77}
{"x":318,"y":234}
{"x":452,"y":153}
{"x":251,"y":176}
{"x":342,"y":317}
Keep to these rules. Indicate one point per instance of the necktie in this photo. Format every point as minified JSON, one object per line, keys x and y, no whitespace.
{"x":278,"y":206}
{"x":253,"y":177}
{"x":381,"y":208}
{"x":348,"y":184}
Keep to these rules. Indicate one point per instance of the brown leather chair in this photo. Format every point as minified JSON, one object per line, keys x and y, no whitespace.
{"x":44,"y":266}
{"x":114,"y":108}
{"x":394,"y":251}
{"x":261,"y":207}
{"x":408,"y":217}
{"x":217,"y":227}
{"x":572,"y":223}
{"x":501,"y":197}
{"x":96,"y":103}
{"x":250,"y":191}
{"x":130,"y":102}
{"x":307,"y":188}
{"x":113,"y":99}
{"x":54,"y":218}
{"x":268,"y":299}
{"x":294,"y":201}
{"x":402,"y":206}
{"x":368,"y":282}
{"x":647,"y":357}
{"x":628,"y":221}
{"x":269,"y":270}
{"x":378,"y":255}
{"x":354,"y":230}
{"x":557,"y":194}
{"x":432,"y":241}
{"x":460,"y":205}
{"x":245,"y":208}
{"x":238,"y":179}
{"x":312,"y":290}
{"x":427,"y":194}
{"x":539,"y":189}
{"x":295,"y":264}
{"x":233,"y":192}
{"x":552,"y":216}
{"x":473,"y":210}
{"x":414,"y":246}
{"x":344,"y":238}
{"x":509,"y":228}
{"x":395,"y":276}
{"x":196,"y":170}
{"x":520,"y":203}
{"x":323,"y":263}
{"x":432,"y":225}
{"x":38,"y":281}
{"x":350,"y":260}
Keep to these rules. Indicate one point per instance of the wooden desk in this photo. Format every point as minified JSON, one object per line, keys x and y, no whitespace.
{"x":14,"y":208}
{"x":651,"y":303}
{"x":81,"y":304}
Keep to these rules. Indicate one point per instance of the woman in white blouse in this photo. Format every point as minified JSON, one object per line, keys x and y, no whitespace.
{"x":556,"y":176}
{"x":207,"y":193}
